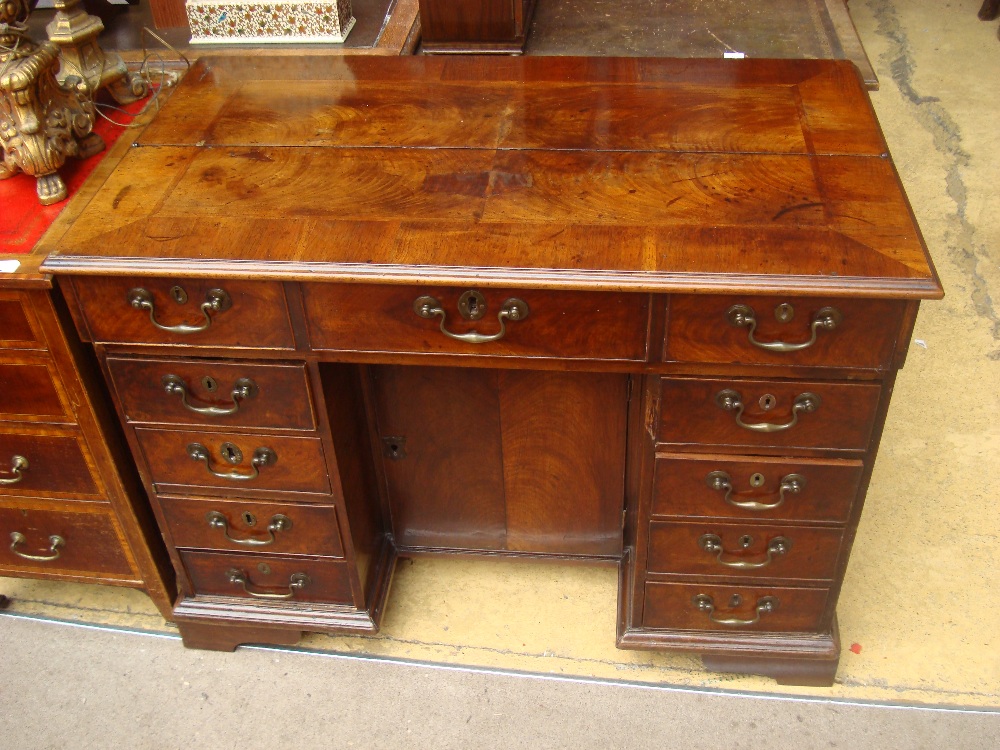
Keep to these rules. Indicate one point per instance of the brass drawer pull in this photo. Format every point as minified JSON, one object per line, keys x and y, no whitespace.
{"x":278,"y":523}
{"x":216,"y":301}
{"x":18,"y":465}
{"x":720,"y":480}
{"x":512,"y":309}
{"x":296,"y":582}
{"x":765,"y":605}
{"x":263,"y":456}
{"x":712,"y":543}
{"x":730,"y":400}
{"x":743,"y":316}
{"x":243,"y":389}
{"x":55,"y":542}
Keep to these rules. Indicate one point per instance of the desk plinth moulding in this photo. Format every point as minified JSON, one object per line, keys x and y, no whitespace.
{"x":639,"y":312}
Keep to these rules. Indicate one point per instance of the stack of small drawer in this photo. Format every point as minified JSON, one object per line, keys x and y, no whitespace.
{"x":761,"y":460}
{"x":230,"y":448}
{"x":56,"y":520}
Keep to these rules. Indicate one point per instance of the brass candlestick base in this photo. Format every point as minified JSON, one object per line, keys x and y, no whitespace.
{"x":75,"y":32}
{"x":42,"y":123}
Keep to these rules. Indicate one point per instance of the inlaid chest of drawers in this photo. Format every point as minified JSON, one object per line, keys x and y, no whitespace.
{"x":645,"y":313}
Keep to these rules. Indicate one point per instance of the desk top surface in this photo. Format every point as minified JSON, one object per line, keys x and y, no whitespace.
{"x":590,"y":173}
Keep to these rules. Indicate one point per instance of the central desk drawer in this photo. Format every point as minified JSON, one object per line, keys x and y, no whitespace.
{"x":210,"y":392}
{"x":444,"y":320}
{"x":190,"y":312}
{"x":252,"y":525}
{"x":268,"y":579}
{"x":244,"y":463}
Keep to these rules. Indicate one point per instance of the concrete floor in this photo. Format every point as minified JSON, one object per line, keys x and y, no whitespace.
{"x":919,"y":603}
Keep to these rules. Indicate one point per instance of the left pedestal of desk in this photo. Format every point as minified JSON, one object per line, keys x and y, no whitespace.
{"x":71,"y":505}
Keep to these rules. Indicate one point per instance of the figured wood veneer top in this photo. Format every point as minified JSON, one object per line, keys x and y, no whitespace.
{"x":588,"y":173}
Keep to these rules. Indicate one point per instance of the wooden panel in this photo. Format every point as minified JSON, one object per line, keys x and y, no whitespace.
{"x":811,"y":554}
{"x":58,"y":465}
{"x":564,"y":461}
{"x":556,"y":102}
{"x":209,"y":572}
{"x":16,"y":330}
{"x":257,"y":318}
{"x":699,"y":330}
{"x":559,"y":324}
{"x":281,"y":394}
{"x":468,"y":20}
{"x":827,"y":489}
{"x":90,"y":544}
{"x":670,"y":605}
{"x":300,"y":465}
{"x":689,"y":413}
{"x":444,"y":476}
{"x":29,"y":391}
{"x":308,"y":530}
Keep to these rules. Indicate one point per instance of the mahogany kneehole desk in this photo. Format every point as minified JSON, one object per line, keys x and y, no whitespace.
{"x":638,"y":312}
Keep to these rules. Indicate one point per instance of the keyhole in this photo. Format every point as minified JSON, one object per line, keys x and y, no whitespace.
{"x":249,"y":518}
{"x":231,"y":453}
{"x":264,"y":568}
{"x":767,"y":402}
{"x":784,"y":312}
{"x":209,"y":384}
{"x":735,"y":600}
{"x":746,"y":541}
{"x":757,"y":480}
{"x":178,"y":295}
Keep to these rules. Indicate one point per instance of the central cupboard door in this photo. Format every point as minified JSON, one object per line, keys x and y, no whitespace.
{"x":503,"y":460}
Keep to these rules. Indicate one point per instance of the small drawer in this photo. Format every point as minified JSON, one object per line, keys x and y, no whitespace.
{"x":733,"y":609}
{"x":37,"y":464}
{"x":755,"y":488}
{"x":234,"y":394}
{"x":60,"y":541}
{"x":268,"y":579}
{"x":565,"y":325}
{"x":767,"y":413}
{"x":743,"y":550}
{"x":245,"y":463}
{"x":782,"y":330}
{"x":17,"y":329}
{"x":191,"y":312}
{"x":30,"y":391}
{"x":250,"y":525}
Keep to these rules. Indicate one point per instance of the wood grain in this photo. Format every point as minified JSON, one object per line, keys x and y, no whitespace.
{"x":59,"y":464}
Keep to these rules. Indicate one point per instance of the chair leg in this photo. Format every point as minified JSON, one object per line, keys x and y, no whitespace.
{"x":990,"y":10}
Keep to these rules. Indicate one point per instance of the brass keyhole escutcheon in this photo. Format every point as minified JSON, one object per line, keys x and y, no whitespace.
{"x":472,"y":305}
{"x":756,"y":480}
{"x":394,"y":447}
{"x":767,"y":402}
{"x":209,"y":384}
{"x":249,"y":518}
{"x":735,"y":600}
{"x":746,"y":541}
{"x":264,"y":568}
{"x":231,"y":453}
{"x":178,"y":295}
{"x":784,"y":312}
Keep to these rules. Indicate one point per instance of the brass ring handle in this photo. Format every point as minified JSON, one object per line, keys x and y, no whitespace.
{"x":18,"y":465}
{"x":278,"y":523}
{"x":263,"y":456}
{"x":55,"y":542}
{"x":720,"y":480}
{"x":743,"y":316}
{"x":730,"y":400}
{"x":765,"y":605}
{"x":296,"y":582}
{"x":243,"y":389}
{"x":512,"y":309}
{"x":216,"y":301}
{"x":712,"y":543}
